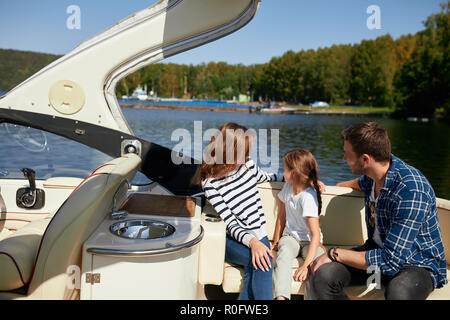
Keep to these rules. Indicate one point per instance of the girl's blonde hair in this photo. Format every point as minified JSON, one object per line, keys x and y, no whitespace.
{"x":304,"y":169}
{"x":228,"y":149}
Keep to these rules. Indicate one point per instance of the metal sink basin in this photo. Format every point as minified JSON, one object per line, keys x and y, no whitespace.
{"x":142,"y":229}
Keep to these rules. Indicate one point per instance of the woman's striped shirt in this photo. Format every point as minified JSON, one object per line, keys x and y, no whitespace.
{"x":236,"y":199}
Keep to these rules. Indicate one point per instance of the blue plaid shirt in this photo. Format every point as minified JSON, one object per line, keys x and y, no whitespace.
{"x":408,"y":223}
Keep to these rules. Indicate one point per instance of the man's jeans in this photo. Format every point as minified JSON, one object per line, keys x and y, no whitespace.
{"x":258,"y":284}
{"x":410,"y":283}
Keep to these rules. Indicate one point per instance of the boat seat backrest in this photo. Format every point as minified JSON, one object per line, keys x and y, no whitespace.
{"x":78,"y":217}
{"x":443,"y":206}
{"x":342,"y":220}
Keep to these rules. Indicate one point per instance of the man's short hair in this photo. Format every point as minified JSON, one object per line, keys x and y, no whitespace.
{"x":369,"y":138}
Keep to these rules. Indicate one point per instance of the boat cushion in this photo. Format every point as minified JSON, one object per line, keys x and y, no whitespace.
{"x":338,"y":204}
{"x":18,"y":253}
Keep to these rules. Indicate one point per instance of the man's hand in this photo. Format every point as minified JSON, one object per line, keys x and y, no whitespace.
{"x":318,"y":262}
{"x":355,"y":259}
{"x":322,"y":186}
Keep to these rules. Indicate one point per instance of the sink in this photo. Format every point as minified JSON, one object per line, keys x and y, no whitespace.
{"x":142,"y":229}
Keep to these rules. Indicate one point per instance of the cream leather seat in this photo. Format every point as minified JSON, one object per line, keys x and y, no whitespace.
{"x":343,"y":225}
{"x":338,"y":204}
{"x":60,"y":246}
{"x":18,"y":252}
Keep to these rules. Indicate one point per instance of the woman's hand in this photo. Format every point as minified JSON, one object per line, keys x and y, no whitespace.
{"x":301,"y":274}
{"x":260,"y":255}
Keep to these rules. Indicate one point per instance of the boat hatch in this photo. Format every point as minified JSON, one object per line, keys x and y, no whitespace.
{"x":75,"y":96}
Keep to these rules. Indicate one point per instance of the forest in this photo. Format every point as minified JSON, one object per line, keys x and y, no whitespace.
{"x":409,"y":74}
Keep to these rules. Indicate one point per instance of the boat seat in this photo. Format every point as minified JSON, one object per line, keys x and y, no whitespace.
{"x":40,"y":253}
{"x":338,"y":205}
{"x":18,"y":252}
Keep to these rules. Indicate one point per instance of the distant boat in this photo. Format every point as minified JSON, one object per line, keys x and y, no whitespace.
{"x":320,"y":104}
{"x":415,"y":119}
{"x":139,"y":94}
{"x":277,"y":110}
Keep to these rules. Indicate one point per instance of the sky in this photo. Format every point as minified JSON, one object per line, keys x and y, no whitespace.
{"x":279,"y":26}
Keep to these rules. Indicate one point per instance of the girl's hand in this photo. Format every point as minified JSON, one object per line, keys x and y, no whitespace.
{"x":275,"y":246}
{"x":260,"y":255}
{"x":301,"y":274}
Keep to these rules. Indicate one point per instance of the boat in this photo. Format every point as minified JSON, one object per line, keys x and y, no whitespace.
{"x":320,"y":104}
{"x":99,"y":236}
{"x":139,"y":94}
{"x":281,"y":110}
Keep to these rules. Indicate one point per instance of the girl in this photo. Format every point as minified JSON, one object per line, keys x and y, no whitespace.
{"x":231,"y":187}
{"x":298,"y":221}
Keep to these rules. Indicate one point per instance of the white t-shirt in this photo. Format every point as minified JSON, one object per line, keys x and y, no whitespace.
{"x":298,"y":208}
{"x":376,"y":233}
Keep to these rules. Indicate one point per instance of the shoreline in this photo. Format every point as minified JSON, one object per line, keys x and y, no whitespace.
{"x":183,"y":108}
{"x":275,"y":111}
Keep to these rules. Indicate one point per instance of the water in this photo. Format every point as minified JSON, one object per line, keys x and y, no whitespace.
{"x":422,"y":145}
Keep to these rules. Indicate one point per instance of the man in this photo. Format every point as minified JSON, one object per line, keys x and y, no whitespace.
{"x":404,"y":238}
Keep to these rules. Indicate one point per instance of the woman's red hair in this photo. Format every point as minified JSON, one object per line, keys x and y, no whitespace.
{"x":231,"y":140}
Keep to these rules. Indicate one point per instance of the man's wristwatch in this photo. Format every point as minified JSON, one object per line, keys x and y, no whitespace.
{"x":333,"y":256}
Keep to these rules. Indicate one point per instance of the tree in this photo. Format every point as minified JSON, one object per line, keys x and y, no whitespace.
{"x":372,"y":72}
{"x":422,"y":84}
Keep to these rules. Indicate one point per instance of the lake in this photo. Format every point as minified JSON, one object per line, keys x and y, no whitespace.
{"x":422,"y":145}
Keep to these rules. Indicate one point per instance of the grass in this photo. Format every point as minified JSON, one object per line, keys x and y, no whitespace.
{"x":345,"y":109}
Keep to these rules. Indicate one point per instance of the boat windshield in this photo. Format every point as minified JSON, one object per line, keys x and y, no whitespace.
{"x":49,"y":155}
